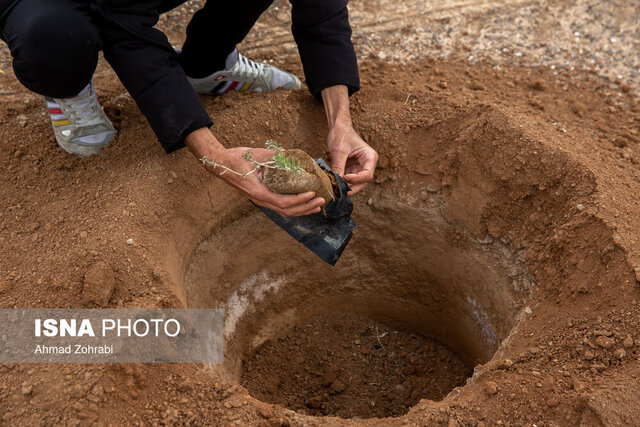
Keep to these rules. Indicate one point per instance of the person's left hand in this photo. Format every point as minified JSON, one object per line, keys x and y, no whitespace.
{"x":351,"y":157}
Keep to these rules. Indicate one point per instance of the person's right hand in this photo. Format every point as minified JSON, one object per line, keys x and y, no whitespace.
{"x":203,"y":143}
{"x":252,"y":185}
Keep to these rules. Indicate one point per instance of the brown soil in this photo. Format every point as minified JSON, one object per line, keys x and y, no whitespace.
{"x":349,"y":366}
{"x":311,"y":178}
{"x":504,"y":222}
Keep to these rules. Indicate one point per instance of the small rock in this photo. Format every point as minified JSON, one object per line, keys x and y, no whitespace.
{"x":506,"y":364}
{"x":580,"y":207}
{"x":329,"y":376}
{"x":99,"y":284}
{"x":491,"y":388}
{"x":314,"y":402}
{"x":129,"y":241}
{"x":83,"y":234}
{"x":625,"y":87}
{"x":588,"y":355}
{"x":528,"y":310}
{"x":26,"y":389}
{"x":370,"y":201}
{"x":338,"y":386}
{"x":628,"y":342}
{"x":552,"y":402}
{"x":538,"y":85}
{"x":619,"y":354}
{"x":605,"y":342}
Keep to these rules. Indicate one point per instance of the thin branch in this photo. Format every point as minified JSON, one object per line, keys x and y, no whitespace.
{"x":280,"y":161}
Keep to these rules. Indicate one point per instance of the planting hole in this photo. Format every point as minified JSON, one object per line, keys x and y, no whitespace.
{"x":413,"y":305}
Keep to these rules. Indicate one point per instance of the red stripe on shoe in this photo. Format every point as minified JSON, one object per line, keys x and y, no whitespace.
{"x":55,"y":111}
{"x":233,"y":85}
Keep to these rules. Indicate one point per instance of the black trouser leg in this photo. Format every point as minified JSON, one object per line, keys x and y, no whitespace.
{"x":214,"y":32}
{"x":54,"y":45}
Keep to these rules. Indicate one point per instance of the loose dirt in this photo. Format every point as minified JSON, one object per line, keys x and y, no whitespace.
{"x":350,"y":366}
{"x":503,"y":222}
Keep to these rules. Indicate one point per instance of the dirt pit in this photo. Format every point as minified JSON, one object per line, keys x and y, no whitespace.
{"x":405,"y":315}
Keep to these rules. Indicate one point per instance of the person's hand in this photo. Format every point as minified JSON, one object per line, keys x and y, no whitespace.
{"x":203,"y":144}
{"x":351,"y":157}
{"x":252,"y":185}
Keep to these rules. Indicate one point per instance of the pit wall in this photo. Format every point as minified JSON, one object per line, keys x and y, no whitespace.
{"x":475,"y":210}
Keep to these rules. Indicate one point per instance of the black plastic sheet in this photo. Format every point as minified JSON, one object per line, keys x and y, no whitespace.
{"x":325,"y":235}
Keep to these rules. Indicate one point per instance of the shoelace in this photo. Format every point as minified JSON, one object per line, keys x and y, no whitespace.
{"x":82,"y":109}
{"x":247,"y":67}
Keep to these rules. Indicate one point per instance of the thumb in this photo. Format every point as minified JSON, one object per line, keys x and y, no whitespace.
{"x":338,"y":161}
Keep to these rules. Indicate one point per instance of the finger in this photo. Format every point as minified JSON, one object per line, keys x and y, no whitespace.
{"x":338,"y":161}
{"x":361,"y":177}
{"x":284,"y":201}
{"x":311,"y":206}
{"x":311,"y":212}
{"x":356,"y":188}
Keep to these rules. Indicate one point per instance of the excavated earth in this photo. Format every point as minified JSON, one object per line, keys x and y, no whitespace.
{"x":493,"y":277}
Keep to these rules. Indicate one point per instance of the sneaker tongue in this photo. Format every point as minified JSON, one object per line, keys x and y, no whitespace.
{"x":231,"y":60}
{"x":84,"y":92}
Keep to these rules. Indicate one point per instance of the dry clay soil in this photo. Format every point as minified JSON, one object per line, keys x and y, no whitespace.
{"x":518,"y":184}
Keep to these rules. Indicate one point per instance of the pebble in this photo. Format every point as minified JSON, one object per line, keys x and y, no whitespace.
{"x":528,"y":310}
{"x":83,"y":234}
{"x":552,"y":402}
{"x":99,"y":284}
{"x":619,"y":354}
{"x":26,"y":389}
{"x":589,"y":355}
{"x":581,"y":207}
{"x":129,"y":241}
{"x":605,"y":342}
{"x":507,"y":363}
{"x":338,"y":386}
{"x":628,"y":342}
{"x":491,"y":388}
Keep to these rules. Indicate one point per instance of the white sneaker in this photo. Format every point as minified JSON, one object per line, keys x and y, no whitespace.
{"x":80,"y":125}
{"x":243,"y":74}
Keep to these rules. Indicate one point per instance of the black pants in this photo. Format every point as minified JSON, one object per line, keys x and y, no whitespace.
{"x":55,"y":43}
